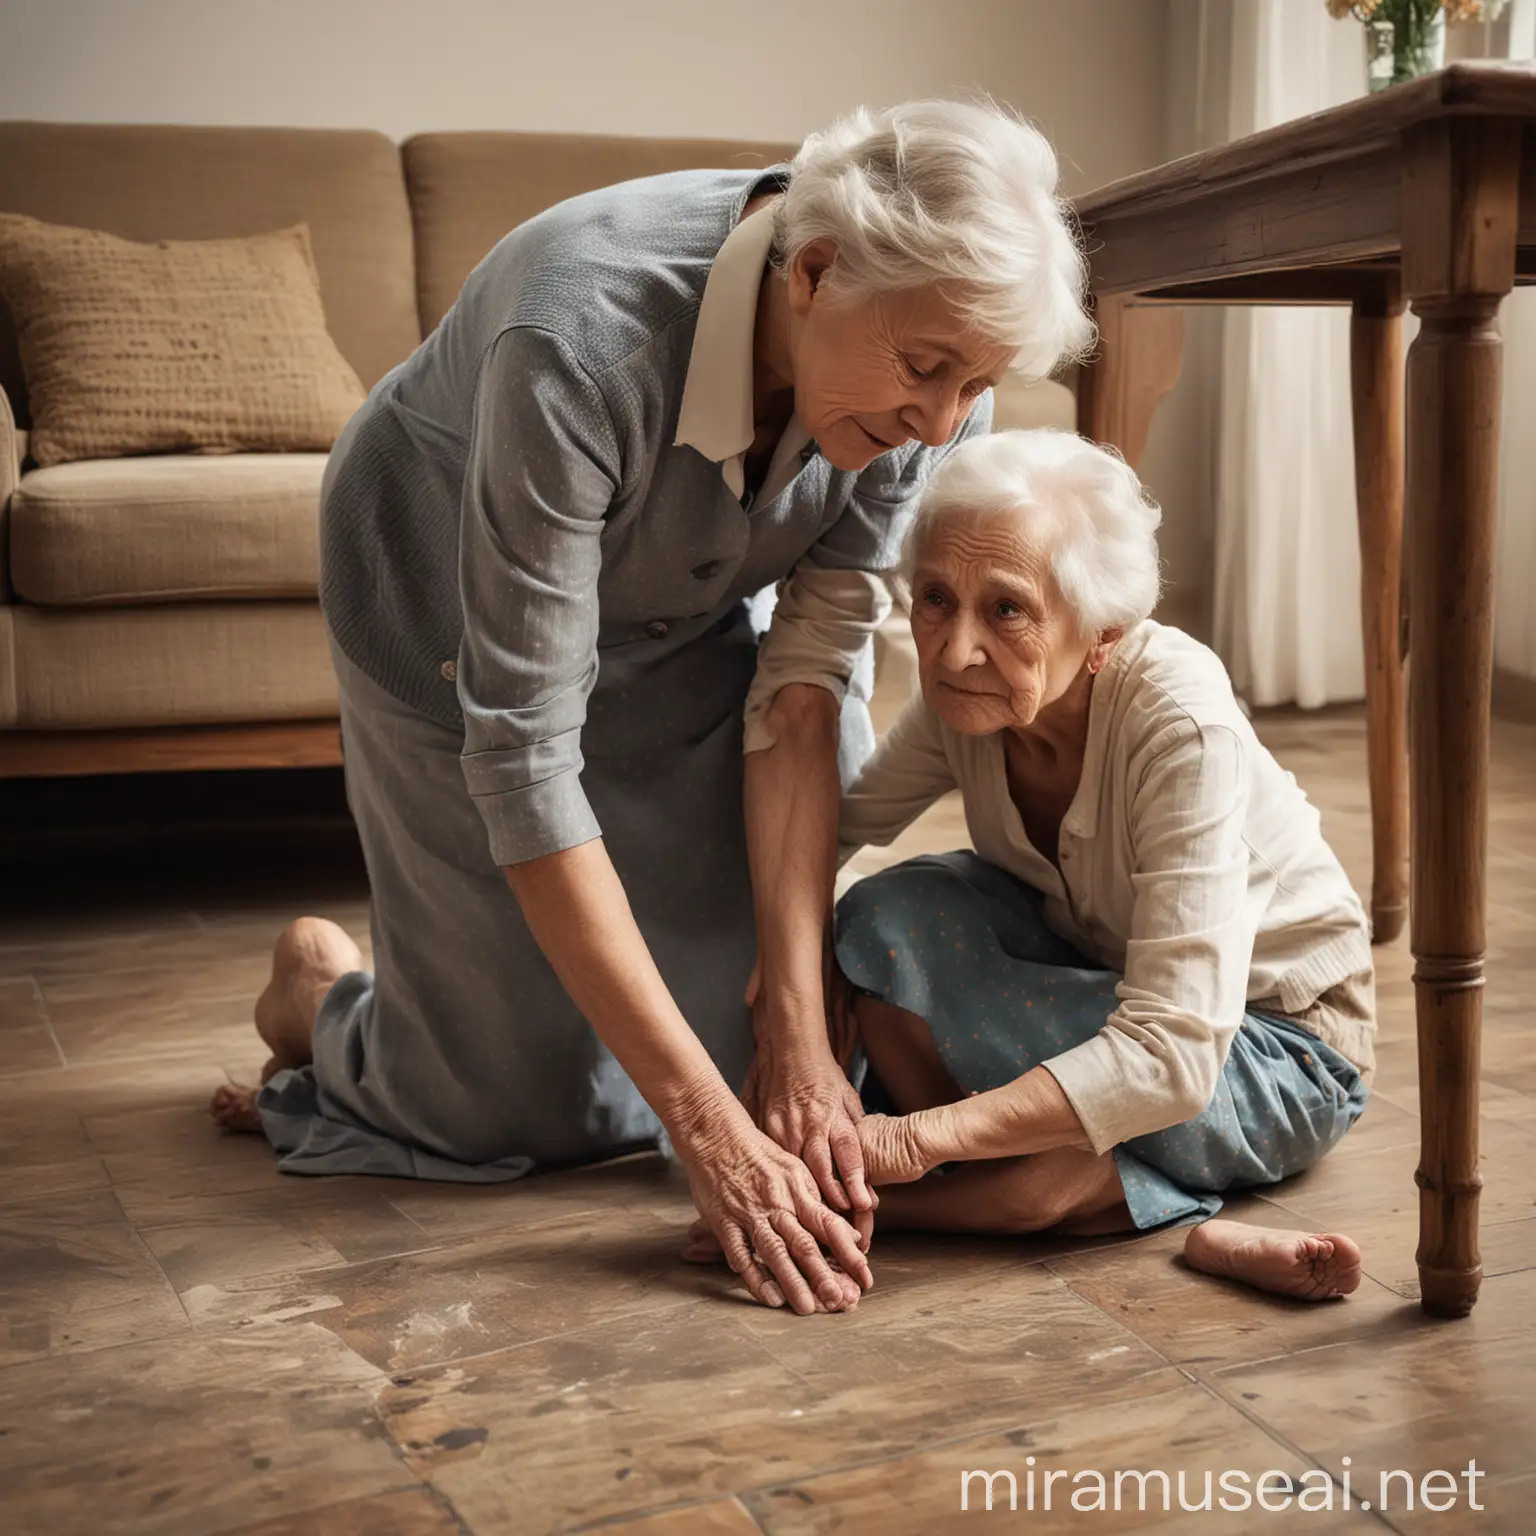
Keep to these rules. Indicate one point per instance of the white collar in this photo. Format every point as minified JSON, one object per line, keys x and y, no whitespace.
{"x":716,"y":413}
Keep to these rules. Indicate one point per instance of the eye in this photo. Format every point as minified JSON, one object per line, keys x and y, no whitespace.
{"x":1009,"y":610}
{"x":915,"y":371}
{"x":932,"y":598}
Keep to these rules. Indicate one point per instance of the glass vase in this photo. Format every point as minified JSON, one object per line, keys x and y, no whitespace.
{"x":1403,"y":49}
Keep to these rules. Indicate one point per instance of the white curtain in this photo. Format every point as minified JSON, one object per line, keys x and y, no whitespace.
{"x":1514,"y":611}
{"x":1286,"y":616}
{"x":1286,"y":590}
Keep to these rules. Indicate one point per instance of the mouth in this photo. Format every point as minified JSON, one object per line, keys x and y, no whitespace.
{"x":969,"y":693}
{"x":879,"y":442}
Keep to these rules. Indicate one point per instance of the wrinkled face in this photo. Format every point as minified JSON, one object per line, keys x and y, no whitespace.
{"x":872,"y":374}
{"x":995,"y":642}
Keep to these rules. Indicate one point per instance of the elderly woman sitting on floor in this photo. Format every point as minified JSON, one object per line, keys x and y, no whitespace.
{"x":1152,"y":981}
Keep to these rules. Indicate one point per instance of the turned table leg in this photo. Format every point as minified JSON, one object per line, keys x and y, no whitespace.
{"x":1460,"y":206}
{"x":1376,"y":387}
{"x":1135,"y":364}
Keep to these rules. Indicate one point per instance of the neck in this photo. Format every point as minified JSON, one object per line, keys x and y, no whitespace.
{"x":773,"y":369}
{"x":1060,"y":730}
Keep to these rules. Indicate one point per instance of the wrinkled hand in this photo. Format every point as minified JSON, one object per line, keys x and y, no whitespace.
{"x":762,"y":1207}
{"x":809,"y":1107}
{"x":892,"y":1150}
{"x":802,"y":1098}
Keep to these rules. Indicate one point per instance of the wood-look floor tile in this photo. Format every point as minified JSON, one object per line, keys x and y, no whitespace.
{"x":74,"y":1275}
{"x":28,"y":1051}
{"x":615,"y":1419}
{"x":26,"y":1043}
{"x":212,"y":1435}
{"x":172,"y":1010}
{"x":479,"y":1210}
{"x":44,"y":1149}
{"x":100,"y":945}
{"x":21,"y":1005}
{"x":474,"y":1296}
{"x":302,"y":1224}
{"x":180,"y":1149}
{"x":723,"y":1517}
{"x":1186,"y":1430}
{"x":936,"y":1354}
{"x":1435,"y":1395}
{"x":405,"y":1512}
{"x":711,"y":1398}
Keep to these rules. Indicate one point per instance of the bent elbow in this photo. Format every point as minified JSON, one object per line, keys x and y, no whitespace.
{"x":802,"y":712}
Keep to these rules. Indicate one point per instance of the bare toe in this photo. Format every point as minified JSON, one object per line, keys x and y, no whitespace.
{"x":234,"y":1108}
{"x":1337,"y":1265}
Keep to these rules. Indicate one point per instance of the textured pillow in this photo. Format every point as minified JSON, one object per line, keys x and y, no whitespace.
{"x":132,"y":348}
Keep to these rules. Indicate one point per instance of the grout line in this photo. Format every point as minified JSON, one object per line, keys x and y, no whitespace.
{"x":1279,"y":1438}
{"x":650,"y":1511}
{"x":309,"y":1510}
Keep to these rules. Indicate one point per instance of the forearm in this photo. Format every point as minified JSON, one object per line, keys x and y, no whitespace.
{"x":1030,"y":1114}
{"x":577,"y":910}
{"x":792,"y":799}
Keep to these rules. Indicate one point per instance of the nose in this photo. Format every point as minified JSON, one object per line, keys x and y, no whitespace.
{"x":933,"y":416}
{"x":962,"y":645}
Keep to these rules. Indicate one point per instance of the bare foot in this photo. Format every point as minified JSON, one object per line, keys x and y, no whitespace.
{"x":234,"y":1108}
{"x":1308,"y":1266}
{"x":311,"y":954}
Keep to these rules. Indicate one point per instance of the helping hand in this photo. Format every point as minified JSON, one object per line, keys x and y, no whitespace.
{"x":762,"y":1207}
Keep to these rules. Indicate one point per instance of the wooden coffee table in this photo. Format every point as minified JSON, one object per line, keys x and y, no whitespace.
{"x":1424,"y":196}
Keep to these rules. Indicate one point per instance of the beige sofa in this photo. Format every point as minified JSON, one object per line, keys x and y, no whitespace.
{"x":160,"y":612}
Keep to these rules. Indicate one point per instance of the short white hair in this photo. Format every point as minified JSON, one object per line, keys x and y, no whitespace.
{"x":1081,"y":502}
{"x":951,"y":193}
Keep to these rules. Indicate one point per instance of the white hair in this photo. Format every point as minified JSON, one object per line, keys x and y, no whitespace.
{"x":946,"y":192}
{"x":1083,"y":503}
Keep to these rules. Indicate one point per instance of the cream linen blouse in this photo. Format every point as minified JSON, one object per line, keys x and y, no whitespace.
{"x":1189,"y":860}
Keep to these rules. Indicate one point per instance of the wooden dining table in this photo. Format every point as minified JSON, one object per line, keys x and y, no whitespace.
{"x":1422,"y":197}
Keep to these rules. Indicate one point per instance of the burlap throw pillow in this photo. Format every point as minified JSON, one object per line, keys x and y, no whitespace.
{"x":182,"y":344}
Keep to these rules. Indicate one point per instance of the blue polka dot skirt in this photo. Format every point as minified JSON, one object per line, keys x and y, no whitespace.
{"x":965,"y":946}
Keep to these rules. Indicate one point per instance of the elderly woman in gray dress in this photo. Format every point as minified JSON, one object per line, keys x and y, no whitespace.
{"x":1151,"y":982}
{"x":591,"y":804}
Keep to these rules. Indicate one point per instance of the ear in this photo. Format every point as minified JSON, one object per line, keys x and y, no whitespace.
{"x":807,"y":272}
{"x":1100,"y":650}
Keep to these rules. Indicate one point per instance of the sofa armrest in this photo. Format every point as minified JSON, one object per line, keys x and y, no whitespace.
{"x":11,"y":444}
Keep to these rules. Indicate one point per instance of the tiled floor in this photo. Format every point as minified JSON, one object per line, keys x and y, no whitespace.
{"x":191,"y":1343}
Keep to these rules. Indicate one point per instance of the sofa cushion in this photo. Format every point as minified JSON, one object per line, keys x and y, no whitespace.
{"x":168,"y":529}
{"x":203,"y":664}
{"x":130,"y":347}
{"x":193,"y":183}
{"x":469,"y":189}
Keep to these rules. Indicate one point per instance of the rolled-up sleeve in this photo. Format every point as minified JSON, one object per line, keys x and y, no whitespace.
{"x":1157,"y":1060}
{"x":543,"y":470}
{"x":837,"y":596}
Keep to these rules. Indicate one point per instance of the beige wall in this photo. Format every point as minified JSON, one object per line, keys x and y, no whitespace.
{"x":1091,"y":71}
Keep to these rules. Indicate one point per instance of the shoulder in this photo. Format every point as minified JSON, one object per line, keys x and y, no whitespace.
{"x":612,"y":270}
{"x":1171,"y":693}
